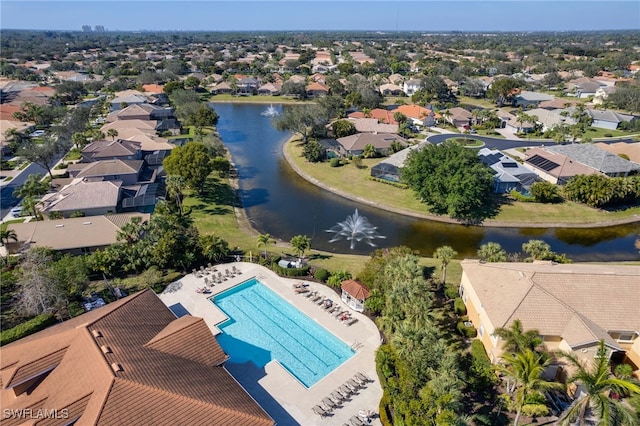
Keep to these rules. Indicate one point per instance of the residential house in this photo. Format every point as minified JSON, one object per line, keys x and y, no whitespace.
{"x":316,"y":89}
{"x":153,"y":89}
{"x":390,"y":89}
{"x":592,"y":156}
{"x":508,"y":173}
{"x":372,"y":125}
{"x":549,"y":119}
{"x":411,"y":86}
{"x":572,"y":306}
{"x":418,"y":116}
{"x":126,"y":100}
{"x":602,"y":94}
{"x":354,"y":144}
{"x":630,"y":149}
{"x":458,"y":117}
{"x":247,"y":85}
{"x":607,"y":119}
{"x":526,"y":99}
{"x":557,"y":103}
{"x":128,"y":362}
{"x":270,"y":89}
{"x":221,"y":88}
{"x":554,"y":167}
{"x":74,"y":235}
{"x":390,"y":167}
{"x":396,"y":79}
{"x":382,"y":115}
{"x":124,"y":171}
{"x":584,"y":87}
{"x":111,"y":150}
{"x":92,"y":198}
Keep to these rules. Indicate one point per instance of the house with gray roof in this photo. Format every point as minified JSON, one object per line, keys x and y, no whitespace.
{"x":597,"y":158}
{"x":607,"y":119}
{"x":550,"y":119}
{"x":111,"y":150}
{"x":584,"y":87}
{"x":125,"y":171}
{"x":508,"y":173}
{"x":526,"y":98}
{"x":390,"y":168}
{"x":90,"y":197}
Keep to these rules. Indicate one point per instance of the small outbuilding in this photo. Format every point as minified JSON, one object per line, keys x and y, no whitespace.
{"x":354,"y":294}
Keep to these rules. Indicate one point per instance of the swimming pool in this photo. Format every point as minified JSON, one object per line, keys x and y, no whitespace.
{"x":262,"y":326}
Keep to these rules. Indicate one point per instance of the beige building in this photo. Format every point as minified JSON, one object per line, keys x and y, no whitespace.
{"x":573,"y":306}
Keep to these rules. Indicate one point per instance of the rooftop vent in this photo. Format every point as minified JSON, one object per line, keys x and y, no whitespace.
{"x":86,"y":223}
{"x":105,"y":349}
{"x":116,"y":367}
{"x":96,"y":333}
{"x":60,"y":226}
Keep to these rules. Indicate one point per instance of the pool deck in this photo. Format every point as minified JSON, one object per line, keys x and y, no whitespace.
{"x":286,"y":400}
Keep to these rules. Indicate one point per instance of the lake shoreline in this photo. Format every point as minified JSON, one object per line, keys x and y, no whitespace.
{"x":490,"y":223}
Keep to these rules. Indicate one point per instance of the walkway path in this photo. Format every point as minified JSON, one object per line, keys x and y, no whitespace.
{"x":286,"y":400}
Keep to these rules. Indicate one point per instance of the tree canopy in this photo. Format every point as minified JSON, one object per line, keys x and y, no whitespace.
{"x":450,"y":179}
{"x":191,"y":161}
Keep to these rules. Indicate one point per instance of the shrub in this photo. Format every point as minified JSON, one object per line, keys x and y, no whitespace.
{"x":608,"y":135}
{"x":384,"y":410}
{"x":458,"y":306}
{"x":519,"y":197}
{"x":290,"y":272}
{"x":465,"y":331}
{"x":450,"y":291}
{"x":335,"y":162}
{"x":321,"y":275}
{"x":75,"y":309}
{"x":388,"y":182}
{"x":26,"y":328}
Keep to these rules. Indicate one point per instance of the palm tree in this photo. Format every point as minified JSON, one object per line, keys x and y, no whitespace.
{"x":29,"y":204}
{"x":214,"y":247}
{"x":79,"y":140}
{"x":300,"y":243}
{"x":525,"y":369}
{"x":445,"y":254}
{"x":265,"y":240}
{"x":536,"y":249}
{"x":6,"y":235}
{"x":516,"y":339}
{"x":112,"y":133}
{"x":32,"y":187}
{"x":597,"y":382}
{"x":175,"y":188}
{"x":492,"y":252}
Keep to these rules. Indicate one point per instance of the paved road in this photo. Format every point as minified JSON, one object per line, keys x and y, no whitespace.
{"x":7,"y":200}
{"x":493,"y":143}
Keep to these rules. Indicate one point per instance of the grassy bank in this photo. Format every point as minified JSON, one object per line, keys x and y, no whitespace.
{"x":355,"y":182}
{"x":213,"y":213}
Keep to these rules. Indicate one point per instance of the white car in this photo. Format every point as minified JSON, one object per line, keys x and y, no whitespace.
{"x":37,"y":133}
{"x":16,"y":211}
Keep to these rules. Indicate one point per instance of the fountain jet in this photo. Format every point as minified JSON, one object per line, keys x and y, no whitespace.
{"x":355,"y":229}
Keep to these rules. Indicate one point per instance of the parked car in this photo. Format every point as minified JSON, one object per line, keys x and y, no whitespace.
{"x":37,"y":133}
{"x":16,"y":211}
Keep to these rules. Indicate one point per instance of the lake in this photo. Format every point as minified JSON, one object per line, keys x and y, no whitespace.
{"x":281,"y":203}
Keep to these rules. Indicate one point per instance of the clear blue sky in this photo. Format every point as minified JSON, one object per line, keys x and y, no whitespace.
{"x":389,"y":15}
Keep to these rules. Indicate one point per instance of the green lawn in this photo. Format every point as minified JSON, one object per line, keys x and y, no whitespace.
{"x":213,"y":212}
{"x":355,"y":182}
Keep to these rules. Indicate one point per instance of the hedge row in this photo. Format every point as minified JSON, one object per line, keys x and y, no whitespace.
{"x":384,"y":410}
{"x":26,"y":328}
{"x":388,"y":182}
{"x":290,"y":272}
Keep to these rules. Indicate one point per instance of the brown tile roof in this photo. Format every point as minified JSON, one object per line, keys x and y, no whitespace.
{"x":72,"y":233}
{"x":117,"y":148}
{"x":578,"y":302}
{"x":566,"y":167}
{"x":413,"y":111}
{"x":81,"y":194}
{"x":144,"y":377}
{"x":358,"y":141}
{"x":35,"y":368}
{"x":105,"y":168}
{"x":382,"y":115}
{"x":356,"y":289}
{"x":153,"y":88}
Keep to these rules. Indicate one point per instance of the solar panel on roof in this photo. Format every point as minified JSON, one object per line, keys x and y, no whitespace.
{"x":542,"y":163}
{"x":510,"y":165}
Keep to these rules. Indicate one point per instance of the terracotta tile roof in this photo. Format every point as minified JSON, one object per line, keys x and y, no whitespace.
{"x":559,"y":300}
{"x":413,"y":111}
{"x":317,"y":87}
{"x":183,"y":337}
{"x":28,"y":371}
{"x":153,"y":88}
{"x":356,"y":289}
{"x":124,"y":364}
{"x":382,"y":115}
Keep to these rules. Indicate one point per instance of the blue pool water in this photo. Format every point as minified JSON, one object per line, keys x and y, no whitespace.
{"x":262,"y":326}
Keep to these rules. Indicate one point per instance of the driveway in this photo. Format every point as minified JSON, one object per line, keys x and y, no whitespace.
{"x":493,"y":143}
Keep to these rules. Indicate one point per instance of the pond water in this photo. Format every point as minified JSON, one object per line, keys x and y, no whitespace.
{"x":281,"y":203}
